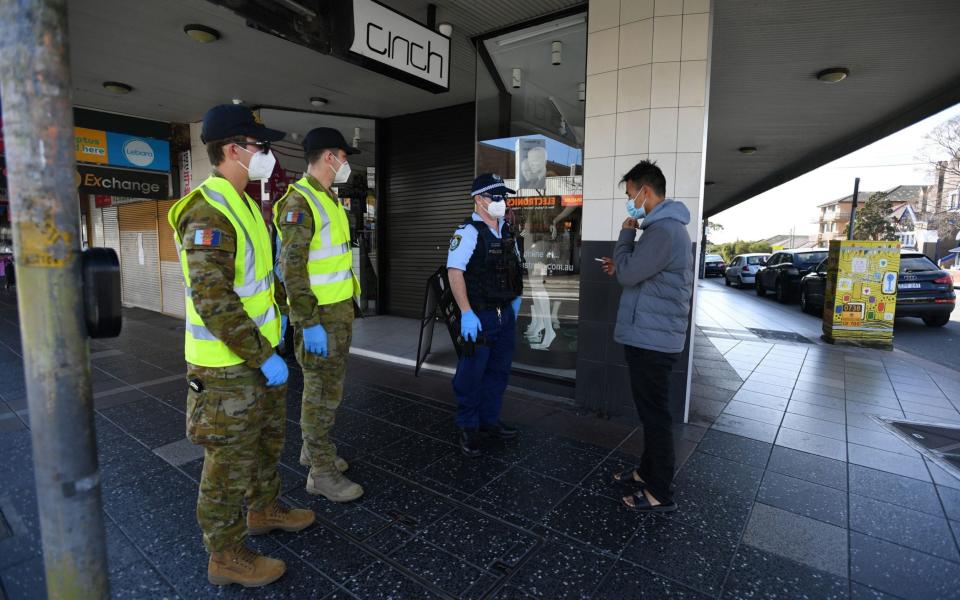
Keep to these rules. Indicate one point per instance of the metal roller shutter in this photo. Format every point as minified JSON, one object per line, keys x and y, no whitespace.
{"x":140,"y":255}
{"x":171,"y":275}
{"x":428,"y":172}
{"x":111,"y":230}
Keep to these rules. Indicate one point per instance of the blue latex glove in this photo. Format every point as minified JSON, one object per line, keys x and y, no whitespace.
{"x":283,"y":327}
{"x":315,"y":340}
{"x":470,"y":326}
{"x":275,"y":370}
{"x":516,"y":305}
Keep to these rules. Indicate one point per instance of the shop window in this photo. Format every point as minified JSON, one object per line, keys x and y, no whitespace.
{"x":530,"y":126}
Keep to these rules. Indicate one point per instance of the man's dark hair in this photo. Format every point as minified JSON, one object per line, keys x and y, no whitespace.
{"x":315,"y":155}
{"x":646,"y":172}
{"x":215,"y":148}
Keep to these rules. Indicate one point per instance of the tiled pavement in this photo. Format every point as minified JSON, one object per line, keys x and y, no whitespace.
{"x":787,"y":490}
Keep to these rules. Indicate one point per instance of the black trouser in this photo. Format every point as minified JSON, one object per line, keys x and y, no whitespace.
{"x":650,"y":382}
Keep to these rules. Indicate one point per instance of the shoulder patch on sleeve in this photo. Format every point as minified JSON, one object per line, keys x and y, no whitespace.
{"x":455,"y":242}
{"x":293,"y":216}
{"x":207,"y":237}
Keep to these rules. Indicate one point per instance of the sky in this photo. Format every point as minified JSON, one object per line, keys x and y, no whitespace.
{"x":882,"y":165}
{"x":556,"y":151}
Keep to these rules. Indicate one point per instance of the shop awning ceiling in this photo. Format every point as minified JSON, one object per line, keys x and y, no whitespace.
{"x":176,"y":79}
{"x":904,"y":65}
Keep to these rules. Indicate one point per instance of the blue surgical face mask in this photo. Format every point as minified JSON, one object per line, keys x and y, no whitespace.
{"x":633,"y":211}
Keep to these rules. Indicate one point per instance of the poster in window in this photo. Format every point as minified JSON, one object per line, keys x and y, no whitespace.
{"x":531,"y":164}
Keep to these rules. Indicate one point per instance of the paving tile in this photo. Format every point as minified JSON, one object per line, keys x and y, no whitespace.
{"x":881,"y":440}
{"x":818,"y":399}
{"x":809,"y":467}
{"x":625,"y":580}
{"x":896,"y":489}
{"x":804,"y":498}
{"x":150,"y":421}
{"x":411,"y":505}
{"x":858,"y":591}
{"x":381,"y":580}
{"x":941,"y":477}
{"x":908,"y":466}
{"x":878,"y":398}
{"x":474,"y":537}
{"x":524,"y":493}
{"x":756,"y":430}
{"x":601,"y":482}
{"x":759,"y":574}
{"x":685,"y":554}
{"x":761,"y":399}
{"x":926,"y":412}
{"x":736,"y":448}
{"x":332,"y":554}
{"x":815,"y":411}
{"x":778,"y":380}
{"x":562,"y":462}
{"x":465,"y":474}
{"x":766,"y":388}
{"x":446,"y":572}
{"x":815,"y":426}
{"x":821,"y":380}
{"x":814,"y":444}
{"x":559,"y":569}
{"x":951,"y":502}
{"x":754,"y":412}
{"x":820,"y":390}
{"x":715,"y":494}
{"x":595,"y":520}
{"x":802,"y":539}
{"x":901,"y":571}
{"x":139,"y":580}
{"x":25,"y":581}
{"x":416,"y":452}
{"x":180,"y":452}
{"x":903,"y":526}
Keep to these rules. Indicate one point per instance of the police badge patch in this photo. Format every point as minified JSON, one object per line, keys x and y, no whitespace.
{"x":455,"y":242}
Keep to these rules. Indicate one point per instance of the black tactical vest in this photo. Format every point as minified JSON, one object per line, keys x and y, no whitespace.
{"x":494,"y":275}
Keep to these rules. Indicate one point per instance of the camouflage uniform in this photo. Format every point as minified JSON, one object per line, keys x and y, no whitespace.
{"x":322,"y":377}
{"x":236,"y":417}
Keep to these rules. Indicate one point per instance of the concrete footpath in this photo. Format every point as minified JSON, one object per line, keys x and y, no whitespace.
{"x":787,"y":488}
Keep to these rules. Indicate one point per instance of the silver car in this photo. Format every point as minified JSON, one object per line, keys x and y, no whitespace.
{"x":743,"y":268}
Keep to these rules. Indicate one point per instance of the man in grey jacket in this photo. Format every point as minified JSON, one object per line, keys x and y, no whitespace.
{"x":656,"y":273}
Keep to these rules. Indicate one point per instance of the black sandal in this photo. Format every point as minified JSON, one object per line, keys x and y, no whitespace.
{"x":640,"y":503}
{"x":628,"y":476}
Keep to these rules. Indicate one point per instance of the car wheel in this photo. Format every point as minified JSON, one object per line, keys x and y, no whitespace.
{"x":938,"y":321}
{"x":726,"y":280}
{"x":781,"y":293}
{"x":759,"y":288}
{"x":740,"y":283}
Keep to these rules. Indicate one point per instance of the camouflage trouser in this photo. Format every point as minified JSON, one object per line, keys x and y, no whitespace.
{"x":323,"y":383}
{"x":239,"y":422}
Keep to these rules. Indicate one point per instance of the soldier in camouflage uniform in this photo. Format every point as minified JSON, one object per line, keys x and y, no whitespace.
{"x":316,"y":262}
{"x":236,"y":402}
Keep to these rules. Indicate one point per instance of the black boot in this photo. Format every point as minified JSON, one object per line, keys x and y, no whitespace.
{"x":500,"y":430}
{"x":470,"y":443}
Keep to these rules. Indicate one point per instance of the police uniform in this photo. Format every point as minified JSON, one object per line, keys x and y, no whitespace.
{"x":233,"y":327}
{"x":492,"y":269}
{"x":316,"y":261}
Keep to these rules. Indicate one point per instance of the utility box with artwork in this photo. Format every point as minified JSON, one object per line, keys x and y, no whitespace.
{"x":860,"y":299}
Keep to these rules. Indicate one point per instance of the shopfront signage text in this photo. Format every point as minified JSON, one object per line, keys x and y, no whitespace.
{"x":389,"y":38}
{"x":120,"y":182}
{"x":91,"y":145}
{"x":533,"y":201}
{"x":121,"y":150}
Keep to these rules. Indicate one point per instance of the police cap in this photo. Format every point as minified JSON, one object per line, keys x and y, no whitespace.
{"x":490,"y":183}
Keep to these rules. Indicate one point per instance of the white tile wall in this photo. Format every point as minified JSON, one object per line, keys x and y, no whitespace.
{"x":633,"y":88}
{"x":602,"y":51}
{"x":646,"y":93}
{"x":601,"y":94}
{"x":667,"y":38}
{"x":636,"y":44}
{"x":604,"y":14}
{"x":665,"y":85}
{"x":634,"y":10}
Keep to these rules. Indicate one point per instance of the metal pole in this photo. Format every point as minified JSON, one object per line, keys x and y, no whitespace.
{"x":853,"y":207}
{"x":39,"y":139}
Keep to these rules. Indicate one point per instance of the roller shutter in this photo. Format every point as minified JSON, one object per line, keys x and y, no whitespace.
{"x":140,"y":255}
{"x":171,"y":276}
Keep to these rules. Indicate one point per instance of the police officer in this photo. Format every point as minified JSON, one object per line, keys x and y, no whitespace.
{"x":317,"y":266}
{"x":237,"y":384}
{"x":485,"y":272}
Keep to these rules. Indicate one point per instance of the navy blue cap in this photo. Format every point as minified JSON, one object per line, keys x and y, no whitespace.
{"x":325,"y":138}
{"x":229,"y":120}
{"x":490,"y":183}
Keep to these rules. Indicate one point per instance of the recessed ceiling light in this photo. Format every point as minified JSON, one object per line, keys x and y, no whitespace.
{"x":445,"y":29}
{"x":201,"y":33}
{"x":116,"y":87}
{"x":318,"y":101}
{"x":833,"y":75}
{"x":748,"y":150}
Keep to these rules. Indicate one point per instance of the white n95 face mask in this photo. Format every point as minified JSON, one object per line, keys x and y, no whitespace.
{"x":343,"y":173}
{"x":261,"y":164}
{"x":497,"y":209}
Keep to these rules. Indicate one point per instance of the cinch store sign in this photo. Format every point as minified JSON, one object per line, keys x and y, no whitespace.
{"x":121,"y":150}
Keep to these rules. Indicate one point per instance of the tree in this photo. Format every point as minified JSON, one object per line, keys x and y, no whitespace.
{"x":711,"y":227}
{"x":942,"y":149}
{"x":872,"y":221}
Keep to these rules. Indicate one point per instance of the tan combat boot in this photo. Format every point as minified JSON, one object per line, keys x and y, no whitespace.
{"x":278,"y":516}
{"x":332,"y":485}
{"x":244,"y":566}
{"x":338,"y":462}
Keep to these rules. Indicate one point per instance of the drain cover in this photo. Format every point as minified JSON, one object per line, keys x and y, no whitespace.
{"x":937,"y":441}
{"x":780,"y":336}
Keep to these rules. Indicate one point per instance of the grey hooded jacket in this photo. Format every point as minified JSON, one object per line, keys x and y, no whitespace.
{"x":656,"y":273}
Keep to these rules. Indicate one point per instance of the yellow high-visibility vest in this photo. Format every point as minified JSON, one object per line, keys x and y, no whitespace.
{"x":330,"y":262}
{"x":253,"y":274}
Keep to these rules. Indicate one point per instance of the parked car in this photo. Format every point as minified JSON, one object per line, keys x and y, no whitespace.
{"x":783,"y":271}
{"x":743,"y":268}
{"x":923,"y":290}
{"x":713,"y":264}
